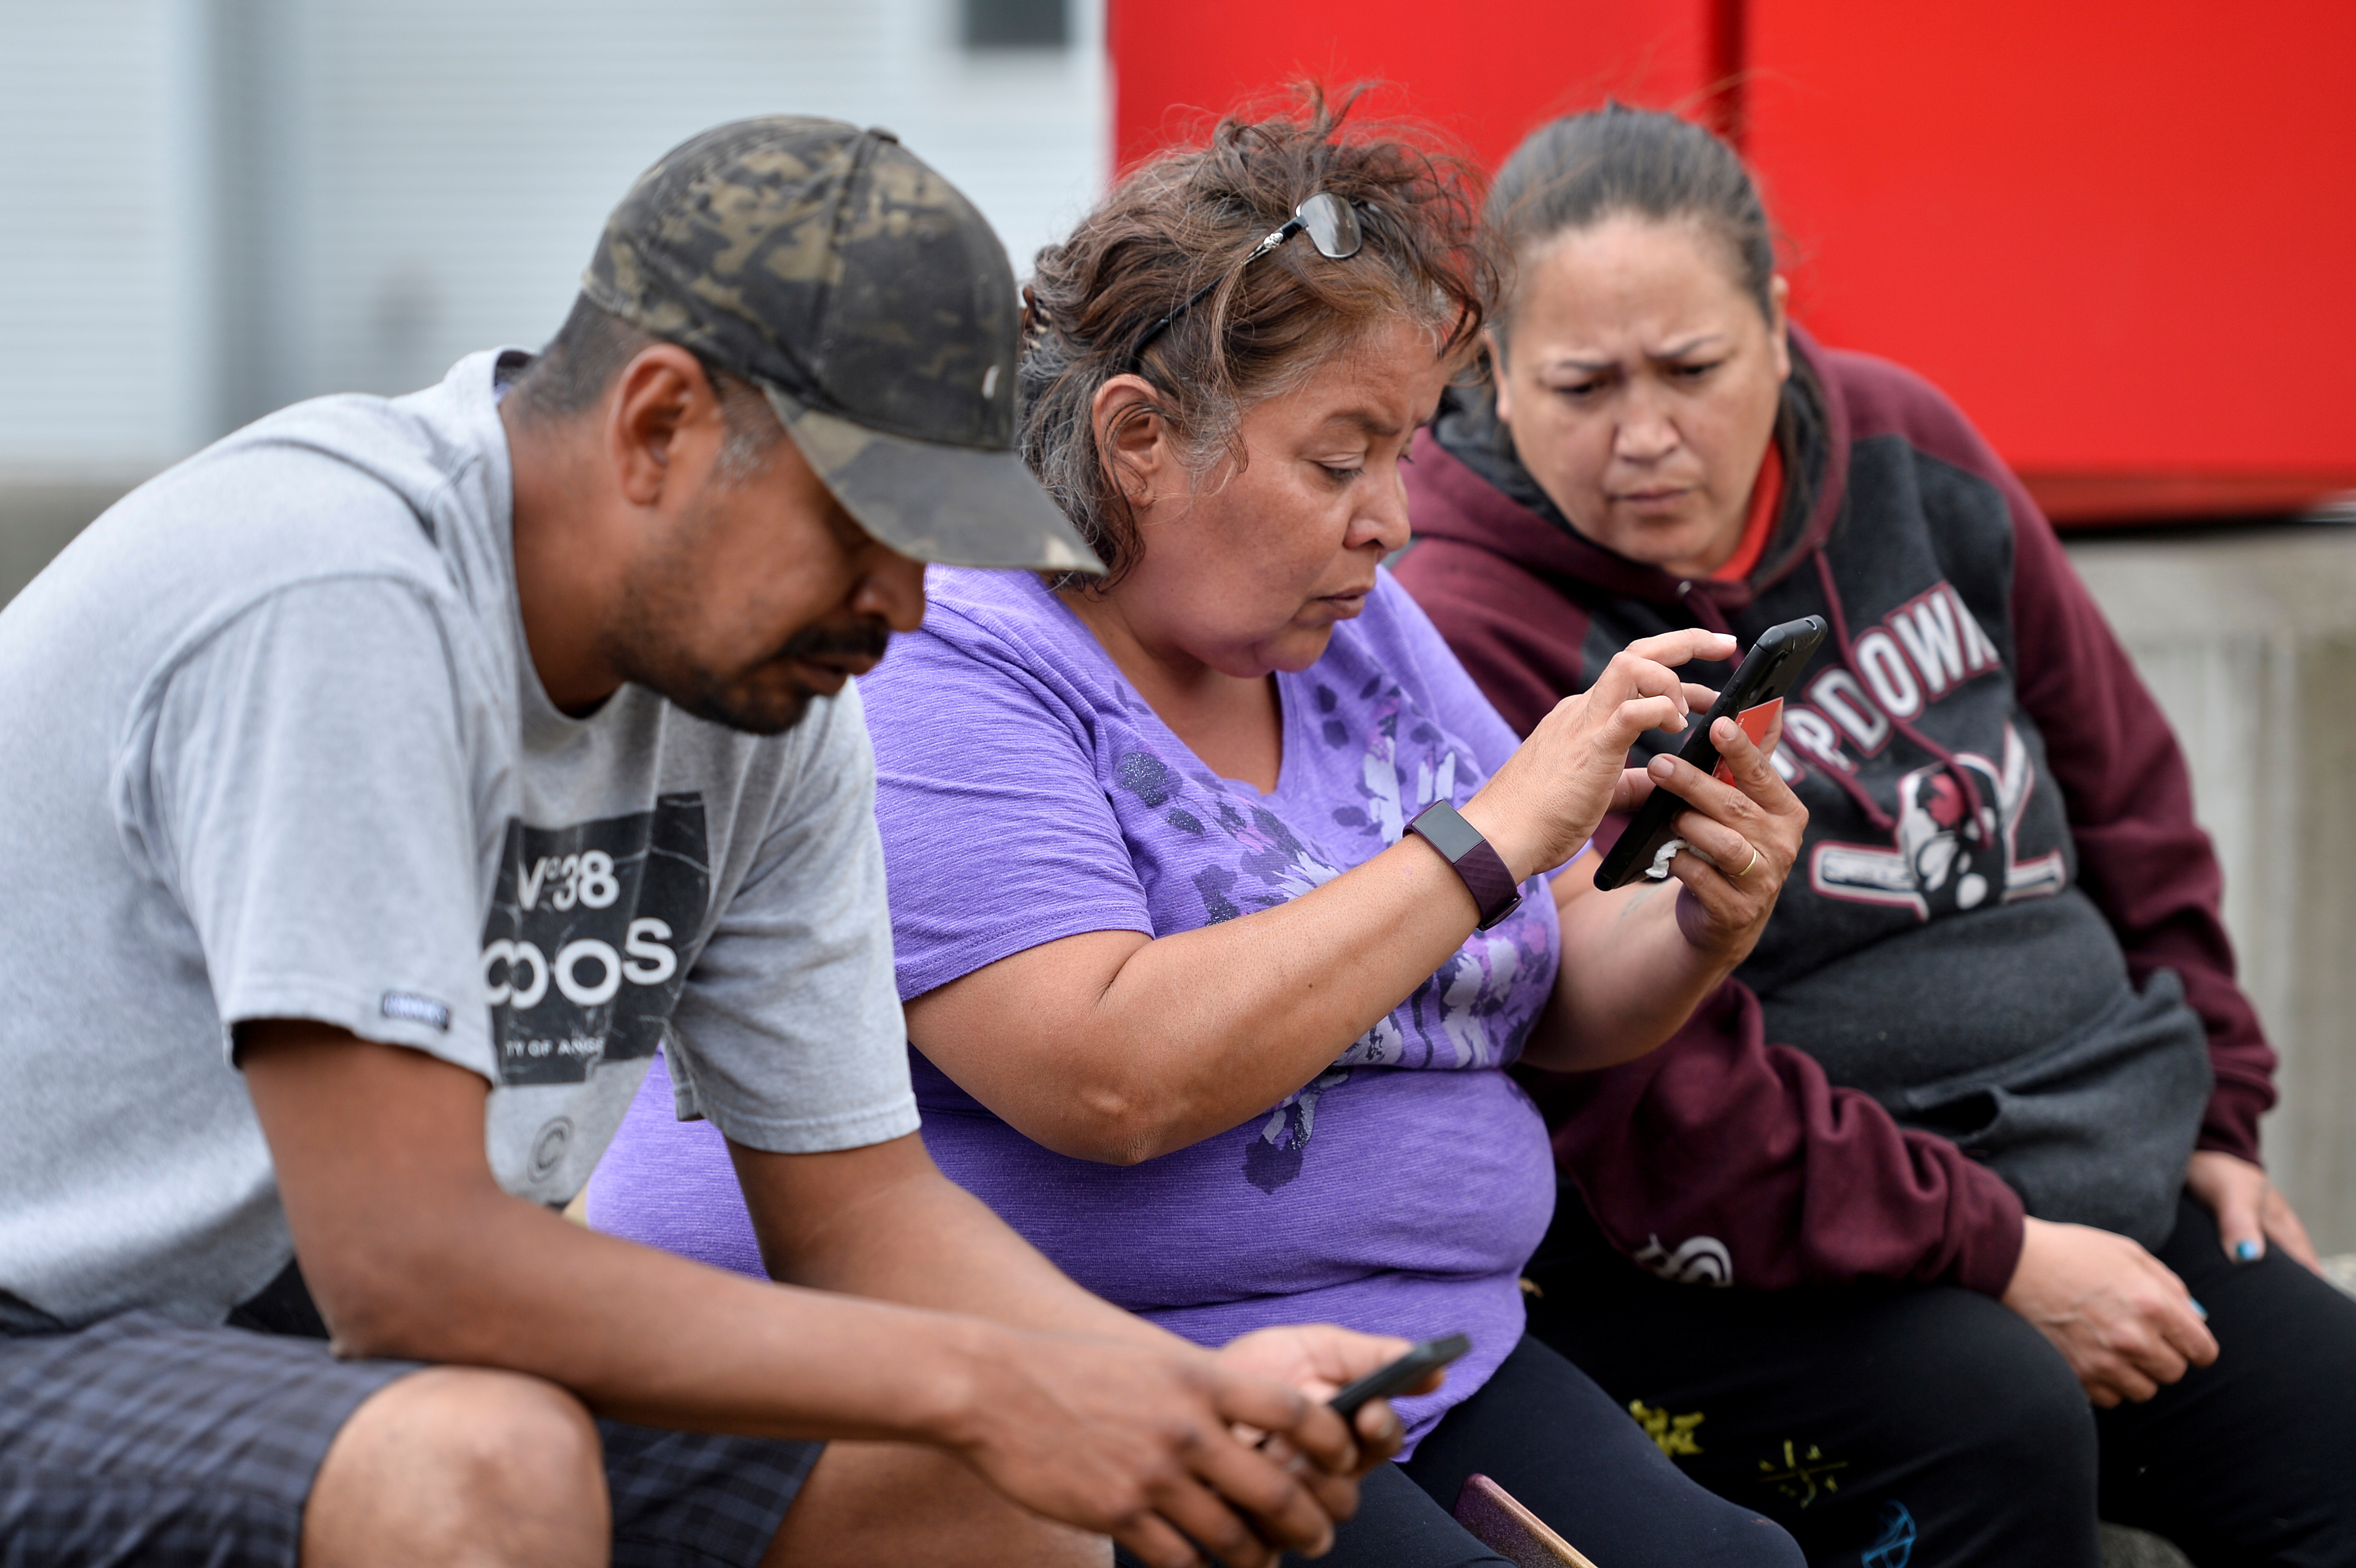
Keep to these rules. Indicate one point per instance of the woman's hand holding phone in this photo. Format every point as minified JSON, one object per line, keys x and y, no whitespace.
{"x":1544,"y":803}
{"x":1751,"y":830}
{"x":1717,"y":817}
{"x":1633,"y":963}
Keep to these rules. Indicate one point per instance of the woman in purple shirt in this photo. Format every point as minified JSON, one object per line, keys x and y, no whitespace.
{"x":1203,"y":874}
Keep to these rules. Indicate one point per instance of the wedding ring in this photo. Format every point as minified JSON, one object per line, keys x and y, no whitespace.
{"x":1754,"y":862}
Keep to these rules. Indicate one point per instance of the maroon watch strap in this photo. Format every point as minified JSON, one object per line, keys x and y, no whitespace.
{"x":1494,"y":891}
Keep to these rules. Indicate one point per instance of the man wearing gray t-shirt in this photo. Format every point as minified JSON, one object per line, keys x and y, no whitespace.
{"x":385,"y":785}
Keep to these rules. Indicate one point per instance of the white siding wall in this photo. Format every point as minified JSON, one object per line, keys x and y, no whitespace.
{"x":452,"y":161}
{"x":106,"y":348}
{"x":213,"y":207}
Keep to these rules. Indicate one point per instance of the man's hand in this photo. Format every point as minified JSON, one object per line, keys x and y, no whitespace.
{"x":413,"y":1249}
{"x":1318,"y":1359}
{"x":2250,"y":1210}
{"x":1102,"y":1418}
{"x":2120,"y":1317}
{"x":1142,"y":1444}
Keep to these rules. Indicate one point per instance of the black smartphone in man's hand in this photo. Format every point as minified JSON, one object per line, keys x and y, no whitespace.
{"x":1404,"y":1373}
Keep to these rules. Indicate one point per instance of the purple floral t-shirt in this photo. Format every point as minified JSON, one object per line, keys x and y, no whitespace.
{"x":1025,"y":794}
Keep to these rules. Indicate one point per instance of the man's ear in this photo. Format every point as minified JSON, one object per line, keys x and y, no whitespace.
{"x":659,"y":400}
{"x":1779,"y":325}
{"x":1133,"y":441}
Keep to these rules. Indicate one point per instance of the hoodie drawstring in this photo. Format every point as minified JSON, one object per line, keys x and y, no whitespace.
{"x":1703,"y":609}
{"x":1954,"y":770}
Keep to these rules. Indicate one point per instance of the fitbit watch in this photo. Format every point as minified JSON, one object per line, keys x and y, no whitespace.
{"x":1460,"y":844}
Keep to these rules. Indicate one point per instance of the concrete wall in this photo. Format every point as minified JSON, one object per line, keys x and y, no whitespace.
{"x":2248,"y":638}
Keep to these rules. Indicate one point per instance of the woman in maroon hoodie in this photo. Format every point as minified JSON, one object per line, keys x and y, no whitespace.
{"x":2014,"y":1070}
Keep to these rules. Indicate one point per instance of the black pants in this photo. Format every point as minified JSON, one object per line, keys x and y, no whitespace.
{"x":1931,"y":1426}
{"x":1542,"y":1430}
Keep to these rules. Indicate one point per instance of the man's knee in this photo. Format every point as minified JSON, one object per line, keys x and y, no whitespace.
{"x":461,"y":1466}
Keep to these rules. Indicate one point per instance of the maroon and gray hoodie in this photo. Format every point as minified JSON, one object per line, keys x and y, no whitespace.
{"x":1996,"y":974}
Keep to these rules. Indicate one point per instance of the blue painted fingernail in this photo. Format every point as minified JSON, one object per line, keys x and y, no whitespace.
{"x":2199,"y":1308}
{"x":2247,"y":1250}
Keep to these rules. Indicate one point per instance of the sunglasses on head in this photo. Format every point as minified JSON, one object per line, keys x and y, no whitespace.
{"x":1331,"y":225}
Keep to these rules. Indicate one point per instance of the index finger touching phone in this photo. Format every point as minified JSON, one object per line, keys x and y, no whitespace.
{"x":1683,"y":646}
{"x":1771,"y":669}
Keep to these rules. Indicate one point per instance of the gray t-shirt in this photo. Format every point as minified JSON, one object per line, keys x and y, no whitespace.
{"x":271,"y":745}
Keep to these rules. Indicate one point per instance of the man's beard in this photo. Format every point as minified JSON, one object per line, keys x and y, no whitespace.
{"x":642,"y":650}
{"x":741,"y":701}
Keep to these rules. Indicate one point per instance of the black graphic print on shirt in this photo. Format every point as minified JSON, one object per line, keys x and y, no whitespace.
{"x":584,"y":952}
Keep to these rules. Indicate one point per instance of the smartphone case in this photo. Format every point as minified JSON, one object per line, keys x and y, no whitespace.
{"x":1772,"y":668}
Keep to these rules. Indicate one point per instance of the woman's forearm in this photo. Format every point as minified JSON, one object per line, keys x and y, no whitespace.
{"x":1629,"y":977}
{"x":1115,"y":1046}
{"x":1190,"y":1034}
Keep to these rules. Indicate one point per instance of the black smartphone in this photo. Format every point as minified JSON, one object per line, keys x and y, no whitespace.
{"x":1404,"y":1373}
{"x":1770,"y":669}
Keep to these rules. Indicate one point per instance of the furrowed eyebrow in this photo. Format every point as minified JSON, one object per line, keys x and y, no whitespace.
{"x":1677,"y":350}
{"x":1691,"y":345}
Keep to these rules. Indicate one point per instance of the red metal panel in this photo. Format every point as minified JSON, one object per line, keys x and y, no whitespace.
{"x":2120,"y":232}
{"x":1483,"y":72}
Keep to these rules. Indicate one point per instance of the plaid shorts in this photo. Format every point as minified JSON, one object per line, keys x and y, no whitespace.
{"x":141,"y":1439}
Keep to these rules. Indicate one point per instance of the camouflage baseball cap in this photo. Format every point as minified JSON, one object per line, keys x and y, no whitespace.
{"x":872,"y":304}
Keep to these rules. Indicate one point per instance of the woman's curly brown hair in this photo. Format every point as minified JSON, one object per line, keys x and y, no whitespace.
{"x":1188,"y":217}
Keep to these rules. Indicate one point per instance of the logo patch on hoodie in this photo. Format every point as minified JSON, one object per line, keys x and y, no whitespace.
{"x":1698,"y":1260}
{"x":1943,"y":858}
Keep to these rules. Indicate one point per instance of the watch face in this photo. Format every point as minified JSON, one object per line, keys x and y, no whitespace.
{"x":1448,"y":832}
{"x":1485,"y":876}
